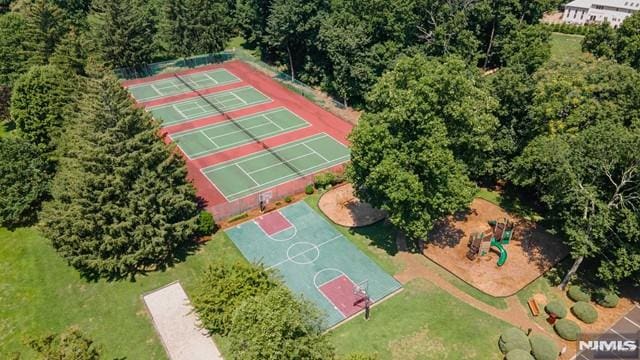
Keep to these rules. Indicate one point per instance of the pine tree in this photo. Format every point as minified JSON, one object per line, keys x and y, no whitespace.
{"x":123,"y":31}
{"x":71,"y":53}
{"x":121,"y":202}
{"x":45,"y":27}
{"x":12,"y":55}
{"x":174,"y":28}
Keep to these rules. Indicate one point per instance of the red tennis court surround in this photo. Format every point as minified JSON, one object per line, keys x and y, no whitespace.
{"x":273,"y":223}
{"x":340,"y":292}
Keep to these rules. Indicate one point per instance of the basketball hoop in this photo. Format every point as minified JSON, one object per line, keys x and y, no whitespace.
{"x":361,"y":295}
{"x":263,"y":199}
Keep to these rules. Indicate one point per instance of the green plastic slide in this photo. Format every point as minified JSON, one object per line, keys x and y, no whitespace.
{"x":503,"y":253}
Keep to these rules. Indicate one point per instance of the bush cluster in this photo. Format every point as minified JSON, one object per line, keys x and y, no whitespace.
{"x":556,"y":307}
{"x":543,"y":348}
{"x":519,"y":354}
{"x":576,"y":293}
{"x":206,"y":224}
{"x":607,"y":298}
{"x":308,"y":189}
{"x":567,"y":329}
{"x":512,"y":339}
{"x":585,"y":312}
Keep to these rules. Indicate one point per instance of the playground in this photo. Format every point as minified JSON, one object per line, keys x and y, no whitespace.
{"x":496,"y":252}
{"x":315,"y":260}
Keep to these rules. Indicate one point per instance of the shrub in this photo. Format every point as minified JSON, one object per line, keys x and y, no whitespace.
{"x":576,"y":293}
{"x":206,"y":224}
{"x":543,"y":348}
{"x":325,"y":179}
{"x":238,"y":217}
{"x":567,"y":329}
{"x":361,"y":356}
{"x":288,"y":199}
{"x":519,"y":354}
{"x":308,"y":189}
{"x":585,"y":312}
{"x":221,"y":288}
{"x":556,"y":307}
{"x":607,"y":298}
{"x":513,"y":338}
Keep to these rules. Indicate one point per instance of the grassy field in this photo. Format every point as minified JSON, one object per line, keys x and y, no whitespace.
{"x":422,"y":322}
{"x":565,"y":46}
{"x":40,"y":294}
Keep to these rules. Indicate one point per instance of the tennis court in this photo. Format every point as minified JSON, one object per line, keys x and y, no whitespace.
{"x":182,"y":84}
{"x":221,"y":136}
{"x":247,"y":175}
{"x":209,"y":105}
{"x":315,"y":260}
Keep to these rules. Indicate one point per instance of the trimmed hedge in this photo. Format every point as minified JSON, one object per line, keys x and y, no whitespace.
{"x":567,"y":329}
{"x":543,"y":348}
{"x":607,"y":299}
{"x":308,"y":189}
{"x":576,"y":293}
{"x":556,"y":307}
{"x":206,"y":224}
{"x":585,"y":312}
{"x":519,"y":354}
{"x":513,"y":338}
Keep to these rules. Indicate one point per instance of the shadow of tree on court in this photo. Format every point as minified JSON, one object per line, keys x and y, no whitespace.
{"x":381,"y":235}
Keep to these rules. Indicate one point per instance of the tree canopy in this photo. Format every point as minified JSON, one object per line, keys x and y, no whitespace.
{"x":121,"y":202}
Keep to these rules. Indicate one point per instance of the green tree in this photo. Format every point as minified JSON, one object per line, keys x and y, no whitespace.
{"x":278,"y":326}
{"x":121,"y":201}
{"x":627,"y":49}
{"x":71,"y":52}
{"x":123,"y":32}
{"x":590,"y":182}
{"x":223,"y":287}
{"x":600,"y":41}
{"x":41,"y":100}
{"x":251,"y":19}
{"x":24,"y":179}
{"x":71,"y":344}
{"x":528,"y":47}
{"x":193,"y":27}
{"x":46,"y":26}
{"x":13,"y":58}
{"x":419,"y":117}
{"x":292,"y":28}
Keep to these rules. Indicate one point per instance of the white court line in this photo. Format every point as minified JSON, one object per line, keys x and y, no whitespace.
{"x":281,"y":163}
{"x":209,"y":96}
{"x":617,"y":333}
{"x":239,"y":98}
{"x":266,"y":153}
{"x":216,"y":82}
{"x":249,"y":175}
{"x":156,"y":90}
{"x":210,"y":139}
{"x":273,"y":122}
{"x":239,"y":119}
{"x":632,"y":322}
{"x":317,"y":153}
{"x":304,"y":252}
{"x":180,"y":112}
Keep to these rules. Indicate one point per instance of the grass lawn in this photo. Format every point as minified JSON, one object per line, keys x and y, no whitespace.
{"x":41,"y":293}
{"x":565,"y":46}
{"x":422,"y":322}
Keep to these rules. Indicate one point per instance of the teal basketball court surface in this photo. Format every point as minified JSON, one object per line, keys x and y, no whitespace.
{"x":315,"y":260}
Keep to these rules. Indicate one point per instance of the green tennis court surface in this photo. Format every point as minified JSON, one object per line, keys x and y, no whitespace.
{"x":244,"y":176}
{"x":203,"y":106}
{"x":174,"y":86}
{"x":211,"y":139}
{"x":314,"y":259}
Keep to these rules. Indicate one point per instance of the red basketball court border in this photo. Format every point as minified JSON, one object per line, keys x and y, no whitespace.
{"x":320,"y":120}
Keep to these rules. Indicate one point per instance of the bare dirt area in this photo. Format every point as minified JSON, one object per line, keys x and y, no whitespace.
{"x":343,"y":208}
{"x":531,"y":252}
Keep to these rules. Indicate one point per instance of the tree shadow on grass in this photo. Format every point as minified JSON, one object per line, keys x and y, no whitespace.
{"x":381,"y":235}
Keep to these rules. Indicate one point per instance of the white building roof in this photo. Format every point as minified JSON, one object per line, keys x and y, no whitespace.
{"x":622,"y":4}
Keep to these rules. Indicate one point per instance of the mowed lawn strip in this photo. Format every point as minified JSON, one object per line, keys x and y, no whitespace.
{"x":42,"y":294}
{"x":211,"y":139}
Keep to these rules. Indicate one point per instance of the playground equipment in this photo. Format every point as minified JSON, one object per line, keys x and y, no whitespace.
{"x":500,"y":234}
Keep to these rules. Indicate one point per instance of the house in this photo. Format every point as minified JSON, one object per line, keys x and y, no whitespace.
{"x":580,"y":12}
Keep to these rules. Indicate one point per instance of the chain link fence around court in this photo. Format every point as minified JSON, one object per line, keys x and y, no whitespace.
{"x":176,"y":65}
{"x":270,"y":196}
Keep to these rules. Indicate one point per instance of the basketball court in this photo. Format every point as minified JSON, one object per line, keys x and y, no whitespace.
{"x":626,"y":328}
{"x":315,"y":260}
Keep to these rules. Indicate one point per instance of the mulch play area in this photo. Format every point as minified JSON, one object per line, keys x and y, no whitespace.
{"x":343,"y":208}
{"x":530,"y":253}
